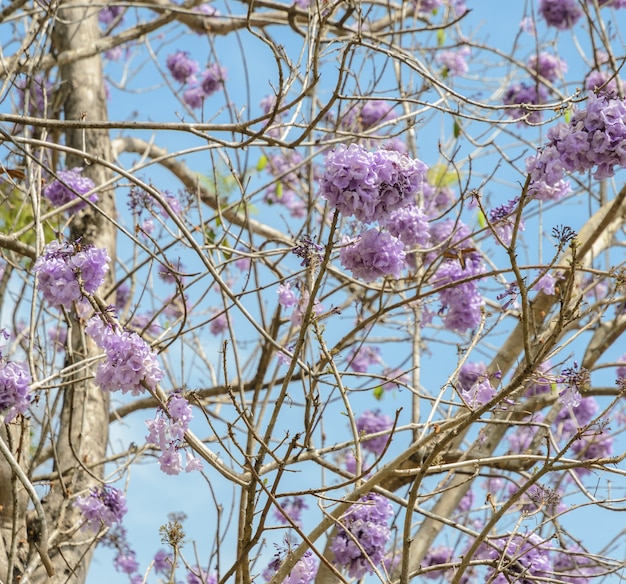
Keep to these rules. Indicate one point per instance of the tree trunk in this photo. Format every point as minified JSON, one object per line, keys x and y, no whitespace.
{"x":83,"y":430}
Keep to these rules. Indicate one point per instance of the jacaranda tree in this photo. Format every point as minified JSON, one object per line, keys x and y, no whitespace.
{"x":354,"y":266}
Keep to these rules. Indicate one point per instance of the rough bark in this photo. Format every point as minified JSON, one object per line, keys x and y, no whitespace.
{"x":83,"y":428}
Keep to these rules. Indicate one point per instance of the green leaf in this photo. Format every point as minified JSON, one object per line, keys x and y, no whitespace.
{"x":441,"y":37}
{"x":379,"y":392}
{"x":262,"y":163}
{"x":567,"y":115}
{"x":482,"y":220}
{"x":440,"y":176}
{"x":456,"y":129}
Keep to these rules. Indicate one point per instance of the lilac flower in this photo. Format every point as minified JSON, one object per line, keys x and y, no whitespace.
{"x":34,"y":95}
{"x":602,"y":81}
{"x":436,"y":556}
{"x":523,"y":95}
{"x":466,"y":503}
{"x":561,"y":14}
{"x":375,"y":112}
{"x":162,"y":562}
{"x":594,"y":138}
{"x":300,"y":310}
{"x":303,"y":572}
{"x":108,"y":14}
{"x":574,"y":378}
{"x":170,"y":461}
{"x":503,"y":218}
{"x":574,"y":565}
{"x":197,"y":575}
{"x":213,"y":78}
{"x":527,"y":554}
{"x":372,"y":422}
{"x":126,"y":562}
{"x":480,"y":393}
{"x":194,"y":97}
{"x":365,"y":522}
{"x":308,"y":251}
{"x":395,"y":378}
{"x":219,"y":324}
{"x":461,"y":302}
{"x":469,"y":374}
{"x":67,"y":186}
{"x":454,"y":62}
{"x":570,"y":419}
{"x":192,"y":462}
{"x":15,"y":383}
{"x":103,"y":506}
{"x":376,"y":254}
{"x":370,"y":186}
{"x":129,"y":364}
{"x":541,"y":382}
{"x":548,"y":66}
{"x":427,"y":5}
{"x":292,"y":507}
{"x":410,"y":225}
{"x":182,"y":67}
{"x":360,"y":358}
{"x":546,"y":284}
{"x":592,"y":447}
{"x":61,"y":268}
{"x":286,"y":296}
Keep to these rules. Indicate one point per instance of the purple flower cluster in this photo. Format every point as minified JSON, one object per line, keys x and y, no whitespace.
{"x":502,"y":219}
{"x":575,"y":566}
{"x":469,"y":374}
{"x":454,"y":62}
{"x":365,"y":523}
{"x":548,"y":66}
{"x":523,"y":95}
{"x":284,"y":189}
{"x":526,"y":554}
{"x":197,"y":575}
{"x":168,"y":433}
{"x":561,"y":14}
{"x":184,"y":69}
{"x":360,"y":358}
{"x":435,"y":557}
{"x":303,"y":572}
{"x":67,"y":186}
{"x":35,"y":94}
{"x":375,"y":254}
{"x":65,"y":270}
{"x":108,"y":14}
{"x":370,"y":186}
{"x":376,"y":112}
{"x":292,"y":507}
{"x":103,"y":506}
{"x":410,"y":225}
{"x":595,"y":137}
{"x":15,"y":383}
{"x":372,"y":422}
{"x":480,"y":393}
{"x":130,"y":364}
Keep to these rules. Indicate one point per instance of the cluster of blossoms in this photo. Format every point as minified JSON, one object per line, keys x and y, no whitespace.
{"x":365,"y":523}
{"x":103,"y":506}
{"x":65,"y":271}
{"x":15,"y":383}
{"x":454,"y":62}
{"x":564,"y":14}
{"x":461,"y":301}
{"x":594,"y":138}
{"x":303,"y":572}
{"x":288,"y":299}
{"x":524,"y":95}
{"x":502,"y":220}
{"x":35,"y":94}
{"x":184,"y":69}
{"x":290,"y":507}
{"x":547,"y":65}
{"x":360,"y":358}
{"x":66,"y":187}
{"x":437,"y":556}
{"x":130,"y":364}
{"x":168,"y":433}
{"x":376,"y":186}
{"x":373,"y":422}
{"x":284,"y":189}
{"x":525,"y":554}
